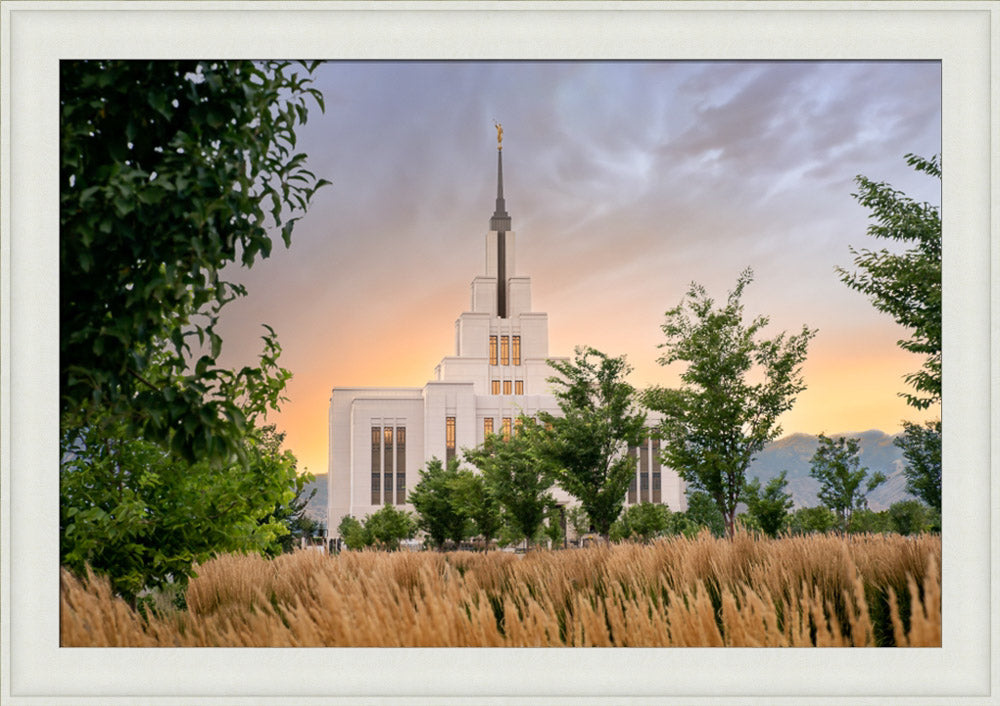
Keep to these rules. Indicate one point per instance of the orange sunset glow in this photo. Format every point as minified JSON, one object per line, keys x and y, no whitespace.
{"x":625,"y":181}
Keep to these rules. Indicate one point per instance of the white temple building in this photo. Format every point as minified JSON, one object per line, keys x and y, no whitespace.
{"x":381,"y":437}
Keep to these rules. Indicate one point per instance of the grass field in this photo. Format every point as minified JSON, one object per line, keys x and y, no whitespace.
{"x":820,"y":590}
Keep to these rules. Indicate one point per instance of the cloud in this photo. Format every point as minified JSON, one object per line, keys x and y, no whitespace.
{"x":625,"y":181}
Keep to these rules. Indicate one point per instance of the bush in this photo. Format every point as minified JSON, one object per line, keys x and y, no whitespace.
{"x":383,"y":529}
{"x":768,"y":506}
{"x":643,"y":521}
{"x":353,"y":533}
{"x":808,"y":520}
{"x":913,"y":517}
{"x":704,"y":512}
{"x":869,"y":521}
{"x":387,"y":527}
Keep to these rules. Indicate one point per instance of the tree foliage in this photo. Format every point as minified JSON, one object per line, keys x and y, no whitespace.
{"x":477,"y":498}
{"x":352,"y":531}
{"x":169,"y":171}
{"x":552,"y":528}
{"x":907,"y":286}
{"x":440,"y":511}
{"x":292,"y":515}
{"x":643,"y":522}
{"x":866,"y":521}
{"x":913,"y":517}
{"x":137,"y":513}
{"x":921,"y":447}
{"x":837,"y":466}
{"x":577,"y":520}
{"x":587,"y":445}
{"x":718,"y":420}
{"x":810,"y":520}
{"x":768,"y":506}
{"x":383,"y":529}
{"x":703,"y":512}
{"x":388,"y":526}
{"x":516,"y":477}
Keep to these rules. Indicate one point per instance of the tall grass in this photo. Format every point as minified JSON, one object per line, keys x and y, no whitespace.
{"x":795,"y":591}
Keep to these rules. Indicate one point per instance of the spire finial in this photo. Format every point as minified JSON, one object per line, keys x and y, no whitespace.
{"x":499,"y":128}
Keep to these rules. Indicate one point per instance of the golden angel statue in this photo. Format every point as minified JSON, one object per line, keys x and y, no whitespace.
{"x":499,"y":128}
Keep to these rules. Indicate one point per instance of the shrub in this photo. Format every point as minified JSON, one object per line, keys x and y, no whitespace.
{"x":704,"y":512}
{"x":869,"y":521}
{"x":912,"y":517}
{"x":808,"y":520}
{"x":643,"y":521}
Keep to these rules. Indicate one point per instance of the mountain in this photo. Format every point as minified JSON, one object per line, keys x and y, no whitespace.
{"x":316,"y":507}
{"x":793,"y":453}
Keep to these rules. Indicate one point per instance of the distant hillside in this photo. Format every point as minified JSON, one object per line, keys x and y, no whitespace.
{"x":316,"y":508}
{"x":792,"y":453}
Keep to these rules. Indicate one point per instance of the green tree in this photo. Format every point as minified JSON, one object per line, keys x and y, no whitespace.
{"x":703,"y":511}
{"x":921,"y":447}
{"x":133,"y":511}
{"x":808,"y":520}
{"x":836,"y":464}
{"x":352,"y":532}
{"x":552,"y":530}
{"x":682,"y":524}
{"x":911,"y":517}
{"x":292,"y":514}
{"x":169,"y":171}
{"x":586,"y":445}
{"x":768,"y":507}
{"x":386,"y":527}
{"x":577,"y":519}
{"x":718,"y":420}
{"x":478,"y":501}
{"x":643,"y":521}
{"x":440,"y":512}
{"x":868,"y":521}
{"x":516,"y":476}
{"x":907,"y":286}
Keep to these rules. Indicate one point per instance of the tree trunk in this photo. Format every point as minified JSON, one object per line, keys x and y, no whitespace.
{"x":730,"y":525}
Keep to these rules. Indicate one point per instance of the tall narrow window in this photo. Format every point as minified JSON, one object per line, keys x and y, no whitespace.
{"x":376,"y":466}
{"x":657,"y":494}
{"x":519,"y":387}
{"x":387,"y":466}
{"x":518,"y":422}
{"x":505,"y":428}
{"x":632,"y":484}
{"x":487,"y":426}
{"x":515,"y":351}
{"x":449,"y":438}
{"x":493,"y":350}
{"x":495,"y":387}
{"x":400,"y":465}
{"x":505,"y":350}
{"x":644,"y":472}
{"x":506,"y":387}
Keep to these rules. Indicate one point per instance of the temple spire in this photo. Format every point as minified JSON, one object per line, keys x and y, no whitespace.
{"x":500,"y":221}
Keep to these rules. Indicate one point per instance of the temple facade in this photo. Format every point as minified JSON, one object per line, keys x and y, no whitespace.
{"x":380,"y":437}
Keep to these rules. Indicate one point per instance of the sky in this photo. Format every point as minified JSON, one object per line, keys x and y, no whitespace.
{"x":626,"y":182}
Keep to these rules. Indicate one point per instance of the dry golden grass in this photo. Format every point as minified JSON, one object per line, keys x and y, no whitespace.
{"x":750,"y":592}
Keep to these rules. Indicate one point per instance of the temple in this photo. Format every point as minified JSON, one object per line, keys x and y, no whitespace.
{"x":380,"y":437}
